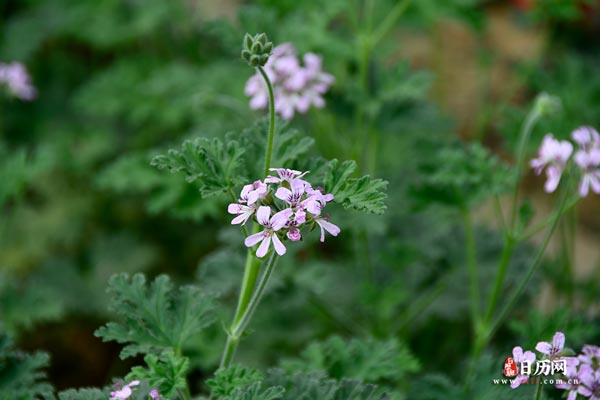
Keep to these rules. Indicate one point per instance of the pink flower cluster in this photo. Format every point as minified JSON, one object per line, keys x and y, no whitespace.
{"x":17,"y":80}
{"x":582,"y":374}
{"x":554,"y":155}
{"x":296,"y":87}
{"x":124,"y":392}
{"x":282,"y":205}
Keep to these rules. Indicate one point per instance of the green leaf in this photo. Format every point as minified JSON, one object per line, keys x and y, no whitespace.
{"x":21,"y":375}
{"x":256,"y":392}
{"x":461,"y":175}
{"x":368,"y":360}
{"x":214,"y":165}
{"x":83,"y":394}
{"x":155,"y":318}
{"x":227,"y":380}
{"x":363,"y":194}
{"x":166,"y":373}
{"x":316,"y":385}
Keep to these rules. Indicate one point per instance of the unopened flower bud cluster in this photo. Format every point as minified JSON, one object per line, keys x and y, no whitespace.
{"x":282,"y":205}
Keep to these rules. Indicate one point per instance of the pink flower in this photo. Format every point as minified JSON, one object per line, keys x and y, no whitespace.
{"x":253,"y":192}
{"x":272,"y":225}
{"x":586,"y":137}
{"x":572,"y":383}
{"x":125,"y":392}
{"x":245,"y":213}
{"x":154,"y":395}
{"x":553,"y":155}
{"x":285,"y":175}
{"x":292,"y":196}
{"x":325,"y":225}
{"x":16,"y":78}
{"x":295,"y":86}
{"x":317,"y":201}
{"x":553,"y":350}
{"x":520,"y":359}
{"x":588,"y":159}
{"x":590,"y":355}
{"x":590,"y":387}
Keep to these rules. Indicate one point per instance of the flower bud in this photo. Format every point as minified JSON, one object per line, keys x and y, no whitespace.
{"x":256,"y":49}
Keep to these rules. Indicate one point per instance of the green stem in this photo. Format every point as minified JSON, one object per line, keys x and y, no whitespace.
{"x":509,"y":246}
{"x":256,"y":297}
{"x":269,"y":151}
{"x":389,"y":21}
{"x":536,"y":262}
{"x":538,"y":392}
{"x":530,"y":121}
{"x":471,"y":256}
{"x":244,"y":315}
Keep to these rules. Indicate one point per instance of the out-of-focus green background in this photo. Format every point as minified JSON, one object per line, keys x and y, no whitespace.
{"x":120,"y":81}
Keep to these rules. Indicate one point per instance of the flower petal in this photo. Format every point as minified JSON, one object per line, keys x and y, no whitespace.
{"x":254,"y":239}
{"x":543,"y":347}
{"x":264,"y":247}
{"x":558,"y":341}
{"x":279,"y":247}
{"x":263,"y":215}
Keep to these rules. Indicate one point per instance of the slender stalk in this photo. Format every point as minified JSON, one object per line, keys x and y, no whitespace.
{"x":471,"y":256}
{"x":242,"y":320}
{"x":389,"y":21}
{"x":538,"y":392}
{"x":507,"y":252}
{"x":256,"y":297}
{"x":269,"y":151}
{"x":536,"y":262}
{"x":247,"y":299}
{"x":530,"y":121}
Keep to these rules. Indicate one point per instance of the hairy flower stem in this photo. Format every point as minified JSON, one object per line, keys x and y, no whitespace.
{"x":538,"y":392}
{"x":269,"y":150}
{"x":244,"y":314}
{"x":471,"y":255}
{"x":510,"y":236}
{"x":250,"y":294}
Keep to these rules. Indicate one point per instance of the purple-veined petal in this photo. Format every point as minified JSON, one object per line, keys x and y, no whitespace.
{"x":280,"y":219}
{"x":517,"y":354}
{"x":553,"y":174}
{"x":584,"y":185}
{"x":263,"y":215}
{"x":254,"y":239}
{"x":279,"y":247}
{"x":529,"y":356}
{"x":334,"y":230}
{"x":558,"y":341}
{"x":264,"y":247}
{"x":283,"y":194}
{"x":543,"y":347}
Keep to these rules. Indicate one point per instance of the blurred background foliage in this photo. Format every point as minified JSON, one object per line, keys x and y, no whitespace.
{"x":424,"y":103}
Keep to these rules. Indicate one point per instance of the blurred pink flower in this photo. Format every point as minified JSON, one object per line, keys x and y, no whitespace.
{"x":296,"y":87}
{"x":16,"y":78}
{"x":553,"y":156}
